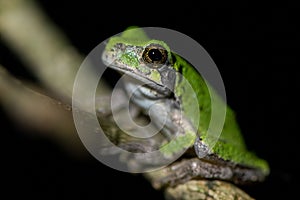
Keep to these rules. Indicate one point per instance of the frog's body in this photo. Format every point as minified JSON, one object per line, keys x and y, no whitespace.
{"x":151,"y":62}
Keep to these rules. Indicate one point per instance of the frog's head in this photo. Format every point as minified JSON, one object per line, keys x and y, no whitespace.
{"x":148,"y":61}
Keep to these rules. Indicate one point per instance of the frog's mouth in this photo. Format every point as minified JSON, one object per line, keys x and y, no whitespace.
{"x":143,"y":81}
{"x":135,"y":74}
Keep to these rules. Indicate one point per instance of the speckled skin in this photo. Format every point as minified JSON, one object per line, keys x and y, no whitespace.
{"x":125,"y":54}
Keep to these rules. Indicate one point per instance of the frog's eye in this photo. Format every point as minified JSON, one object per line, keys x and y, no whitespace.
{"x":155,"y":54}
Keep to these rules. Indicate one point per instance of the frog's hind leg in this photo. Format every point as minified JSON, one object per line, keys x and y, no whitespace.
{"x":195,"y":168}
{"x":186,"y":170}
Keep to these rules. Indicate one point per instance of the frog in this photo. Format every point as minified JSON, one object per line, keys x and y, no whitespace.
{"x":154,"y":72}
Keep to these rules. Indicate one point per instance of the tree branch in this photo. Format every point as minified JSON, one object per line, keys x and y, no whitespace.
{"x":40,"y":44}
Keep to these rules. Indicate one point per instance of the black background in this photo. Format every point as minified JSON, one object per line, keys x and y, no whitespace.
{"x":255,"y":50}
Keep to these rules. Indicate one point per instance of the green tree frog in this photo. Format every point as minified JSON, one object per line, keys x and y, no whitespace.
{"x":152,"y":63}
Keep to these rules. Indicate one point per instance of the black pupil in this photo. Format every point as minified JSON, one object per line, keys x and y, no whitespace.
{"x":155,"y":55}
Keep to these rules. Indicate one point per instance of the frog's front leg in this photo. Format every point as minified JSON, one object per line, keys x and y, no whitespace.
{"x":168,"y":140}
{"x":169,"y":118}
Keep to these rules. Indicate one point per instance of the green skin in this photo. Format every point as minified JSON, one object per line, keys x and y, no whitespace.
{"x":126,"y":54}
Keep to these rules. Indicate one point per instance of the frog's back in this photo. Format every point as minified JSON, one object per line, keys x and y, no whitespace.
{"x":230,"y":145}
